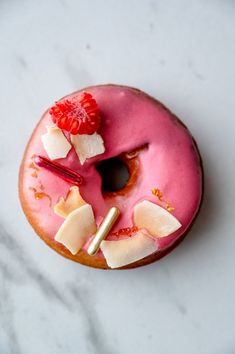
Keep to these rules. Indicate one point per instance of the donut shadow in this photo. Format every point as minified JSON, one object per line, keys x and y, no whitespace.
{"x":200,"y":231}
{"x":206,"y":219}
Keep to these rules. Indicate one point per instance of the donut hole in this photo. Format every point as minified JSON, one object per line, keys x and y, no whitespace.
{"x":114,"y":174}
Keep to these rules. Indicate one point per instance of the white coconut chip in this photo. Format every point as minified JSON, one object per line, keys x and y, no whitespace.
{"x":55,"y":143}
{"x":73,"y":201}
{"x":123,"y":252}
{"x":77,"y":228}
{"x":87,"y":146}
{"x":155,"y":219}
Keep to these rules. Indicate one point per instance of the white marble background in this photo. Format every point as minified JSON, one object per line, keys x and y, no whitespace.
{"x":183,"y":52}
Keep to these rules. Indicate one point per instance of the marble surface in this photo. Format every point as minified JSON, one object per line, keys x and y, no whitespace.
{"x":182,"y":52}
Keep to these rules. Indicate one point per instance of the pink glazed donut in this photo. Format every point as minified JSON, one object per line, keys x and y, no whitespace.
{"x":158,"y":203}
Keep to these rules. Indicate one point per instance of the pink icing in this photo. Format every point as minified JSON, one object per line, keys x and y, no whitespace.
{"x":130,"y":119}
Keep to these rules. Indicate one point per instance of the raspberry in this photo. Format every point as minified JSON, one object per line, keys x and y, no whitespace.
{"x":78,"y":115}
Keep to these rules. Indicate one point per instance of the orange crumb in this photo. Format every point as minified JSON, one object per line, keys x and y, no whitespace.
{"x":41,"y":186}
{"x":169,"y":208}
{"x":40,"y":195}
{"x":159,"y":195}
{"x":127,"y":231}
{"x":32,"y":165}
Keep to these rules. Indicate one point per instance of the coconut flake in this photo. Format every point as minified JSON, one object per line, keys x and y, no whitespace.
{"x":77,"y":228}
{"x":122,"y":252}
{"x":155,"y":219}
{"x":87,"y":146}
{"x":73,"y":201}
{"x":55,"y":143}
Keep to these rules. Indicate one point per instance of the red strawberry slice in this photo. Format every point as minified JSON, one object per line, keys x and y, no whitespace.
{"x":78,"y":115}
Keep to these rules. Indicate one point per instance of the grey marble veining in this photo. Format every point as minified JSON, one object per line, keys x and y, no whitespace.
{"x":181,"y":52}
{"x":75,"y":299}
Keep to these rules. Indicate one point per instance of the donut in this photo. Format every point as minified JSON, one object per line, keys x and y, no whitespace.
{"x":110,"y":178}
